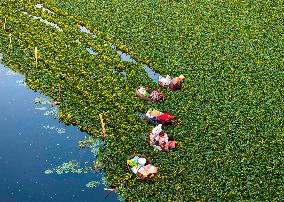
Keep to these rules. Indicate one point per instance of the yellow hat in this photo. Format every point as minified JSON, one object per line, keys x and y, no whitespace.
{"x":155,"y":113}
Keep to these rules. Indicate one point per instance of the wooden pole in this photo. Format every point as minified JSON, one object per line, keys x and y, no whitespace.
{"x":10,"y":40}
{"x":103,"y":125}
{"x":59,"y":91}
{"x":36,"y":56}
{"x":4,"y":27}
{"x":110,"y":191}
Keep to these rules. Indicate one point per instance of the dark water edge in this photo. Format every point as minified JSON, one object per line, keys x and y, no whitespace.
{"x":32,"y":141}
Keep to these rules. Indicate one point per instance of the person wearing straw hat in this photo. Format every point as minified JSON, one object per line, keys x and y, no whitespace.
{"x":176,"y":82}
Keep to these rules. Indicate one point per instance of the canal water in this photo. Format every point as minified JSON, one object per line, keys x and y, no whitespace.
{"x":34,"y":143}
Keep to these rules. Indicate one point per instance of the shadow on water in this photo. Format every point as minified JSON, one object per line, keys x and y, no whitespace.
{"x":32,"y":141}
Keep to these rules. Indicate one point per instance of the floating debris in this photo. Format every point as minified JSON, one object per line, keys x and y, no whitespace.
{"x":68,"y":167}
{"x":58,"y":130}
{"x":50,"y":110}
{"x":11,"y":73}
{"x":53,"y":112}
{"x":41,"y":108}
{"x":21,"y":83}
{"x":42,"y":100}
{"x":86,"y":143}
{"x":92,"y":184}
{"x":49,"y":127}
{"x":95,"y":146}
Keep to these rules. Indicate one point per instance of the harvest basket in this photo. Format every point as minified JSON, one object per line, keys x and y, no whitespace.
{"x":147,"y":98}
{"x":140,"y":176}
{"x":143,"y":97}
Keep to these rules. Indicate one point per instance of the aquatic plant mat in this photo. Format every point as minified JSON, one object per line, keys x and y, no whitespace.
{"x":231,"y":107}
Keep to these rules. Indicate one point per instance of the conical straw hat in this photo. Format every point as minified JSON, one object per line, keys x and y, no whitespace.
{"x":154,"y":113}
{"x":181,"y":77}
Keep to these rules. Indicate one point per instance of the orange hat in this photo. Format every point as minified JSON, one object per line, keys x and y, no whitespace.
{"x":181,"y":77}
{"x":155,"y":113}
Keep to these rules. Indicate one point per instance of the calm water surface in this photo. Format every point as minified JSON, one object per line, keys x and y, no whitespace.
{"x":32,"y":141}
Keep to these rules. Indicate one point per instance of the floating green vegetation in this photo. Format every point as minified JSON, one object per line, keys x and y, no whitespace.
{"x":41,"y":108}
{"x":67,"y":167}
{"x":231,"y":105}
{"x":42,"y":100}
{"x":21,"y":82}
{"x":58,"y":130}
{"x":85,"y":143}
{"x":92,"y":184}
{"x":49,"y":109}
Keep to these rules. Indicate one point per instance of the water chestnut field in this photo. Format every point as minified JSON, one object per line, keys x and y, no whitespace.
{"x":90,"y":56}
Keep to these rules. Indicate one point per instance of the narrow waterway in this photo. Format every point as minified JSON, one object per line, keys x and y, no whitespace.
{"x":34,"y":141}
{"x":154,"y":76}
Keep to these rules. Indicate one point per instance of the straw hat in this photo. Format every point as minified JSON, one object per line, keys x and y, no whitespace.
{"x":154,"y":113}
{"x":181,"y":77}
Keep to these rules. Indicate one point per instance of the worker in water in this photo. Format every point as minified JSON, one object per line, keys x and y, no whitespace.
{"x":176,"y":82}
